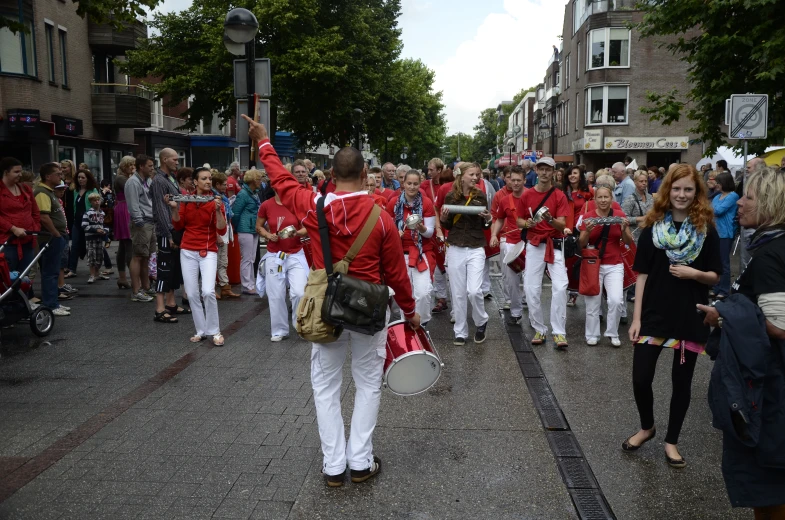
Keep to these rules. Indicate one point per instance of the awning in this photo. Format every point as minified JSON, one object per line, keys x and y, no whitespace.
{"x":773,"y":155}
{"x":568,"y":158}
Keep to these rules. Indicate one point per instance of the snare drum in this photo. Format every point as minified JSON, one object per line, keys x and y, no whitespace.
{"x":627,"y":260}
{"x":412,"y":365}
{"x":515,"y":258}
{"x":490,"y":252}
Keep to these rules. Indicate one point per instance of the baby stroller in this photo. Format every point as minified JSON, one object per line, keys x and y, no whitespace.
{"x":14,"y":305}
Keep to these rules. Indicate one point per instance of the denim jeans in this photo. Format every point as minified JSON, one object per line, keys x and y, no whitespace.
{"x":50,"y":270}
{"x":15,"y":263}
{"x":723,"y":288}
{"x":77,"y":240}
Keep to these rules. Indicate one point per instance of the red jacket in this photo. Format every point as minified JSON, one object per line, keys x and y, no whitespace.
{"x":200,"y":222}
{"x":381,"y":257}
{"x":19,"y":211}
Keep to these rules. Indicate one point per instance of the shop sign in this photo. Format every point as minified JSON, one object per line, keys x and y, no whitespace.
{"x":67,"y":125}
{"x":23,"y":118}
{"x":592,"y":140}
{"x":646,"y":143}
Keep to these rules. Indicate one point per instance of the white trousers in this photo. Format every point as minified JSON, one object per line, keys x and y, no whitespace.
{"x":295,"y":276}
{"x":421,"y":289}
{"x":511,"y":283}
{"x":486,"y":276}
{"x":440,"y":284}
{"x":205,"y":309}
{"x":465,"y":267}
{"x":612,"y":278}
{"x":532,"y":284}
{"x":368,"y":355}
{"x":249,"y":245}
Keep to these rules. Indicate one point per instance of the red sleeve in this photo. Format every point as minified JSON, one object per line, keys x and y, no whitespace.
{"x":495,"y":205}
{"x":427,"y":208}
{"x":299,"y":199}
{"x":390,"y":207}
{"x":393,"y":267}
{"x":262,"y":213}
{"x":562,"y":205}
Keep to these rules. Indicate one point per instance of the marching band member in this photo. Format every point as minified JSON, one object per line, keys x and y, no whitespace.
{"x":544,"y":247}
{"x":501,"y":194}
{"x":201,"y":223}
{"x":466,"y":254}
{"x":283,"y":265}
{"x":507,"y":207}
{"x":346,"y":211}
{"x":439,"y":176}
{"x":416,"y":243}
{"x":611,"y":268}
{"x":578,"y":194}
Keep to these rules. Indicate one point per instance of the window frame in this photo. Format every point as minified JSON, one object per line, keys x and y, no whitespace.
{"x":62,"y":40}
{"x":49,"y":29}
{"x":23,"y":38}
{"x":604,"y":122}
{"x":606,"y":52}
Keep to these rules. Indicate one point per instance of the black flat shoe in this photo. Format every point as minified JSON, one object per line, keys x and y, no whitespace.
{"x":627,"y":446}
{"x":675,"y":463}
{"x":335,"y":480}
{"x":365,"y":474}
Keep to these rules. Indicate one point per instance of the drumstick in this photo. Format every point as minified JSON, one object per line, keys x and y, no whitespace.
{"x":531,"y":212}
{"x":736,"y":245}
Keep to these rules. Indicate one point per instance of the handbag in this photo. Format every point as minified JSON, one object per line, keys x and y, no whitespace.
{"x":525,"y":231}
{"x":589,"y":284}
{"x":334,"y":301}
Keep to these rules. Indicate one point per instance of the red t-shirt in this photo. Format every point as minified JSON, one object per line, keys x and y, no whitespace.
{"x":278,"y":217}
{"x":380,"y":200}
{"x":330,"y":186}
{"x":232,"y":186}
{"x":407,"y":239}
{"x":557,"y":205}
{"x":591,"y":206}
{"x":429,"y":186}
{"x":612,"y":255}
{"x":444,"y":189}
{"x":579,"y":200}
{"x":502,"y":209}
{"x":199,"y":220}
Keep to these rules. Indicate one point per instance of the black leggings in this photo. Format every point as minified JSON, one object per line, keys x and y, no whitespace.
{"x":124,"y":254}
{"x":644,"y":364}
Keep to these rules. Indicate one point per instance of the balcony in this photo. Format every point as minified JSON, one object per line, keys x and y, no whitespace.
{"x":110,"y":40}
{"x":168,"y":123}
{"x":598,"y":6}
{"x":123,"y":106}
{"x":551,"y":98}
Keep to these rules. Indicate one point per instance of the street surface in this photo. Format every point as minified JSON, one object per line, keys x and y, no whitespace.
{"x":115,"y":416}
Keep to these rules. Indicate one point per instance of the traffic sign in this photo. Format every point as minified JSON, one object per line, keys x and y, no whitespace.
{"x":404,"y":156}
{"x":749,"y":116}
{"x":539,"y":154}
{"x":262,"y":75}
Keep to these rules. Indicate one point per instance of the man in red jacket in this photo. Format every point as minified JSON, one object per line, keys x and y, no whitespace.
{"x":346,"y":210}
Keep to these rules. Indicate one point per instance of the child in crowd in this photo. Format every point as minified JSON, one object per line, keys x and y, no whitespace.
{"x":95,"y":233}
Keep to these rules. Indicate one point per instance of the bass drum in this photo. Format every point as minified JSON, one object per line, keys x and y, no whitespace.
{"x":412,"y":365}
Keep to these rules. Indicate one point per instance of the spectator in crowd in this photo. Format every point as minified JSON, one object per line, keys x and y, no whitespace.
{"x":655,"y":179}
{"x":712,"y":186}
{"x":18,"y":214}
{"x":85,"y":185}
{"x":724,"y":205}
{"x":122,"y":220}
{"x":753,"y":165}
{"x":244,"y":211}
{"x":531,"y":175}
{"x":107,"y":206}
{"x":624,"y":185}
{"x":388,"y":177}
{"x":142,"y":231}
{"x":219,"y":190}
{"x":185,"y":181}
{"x":638,"y":203}
{"x":53,"y":221}
{"x":94,"y":233}
{"x":233,"y":182}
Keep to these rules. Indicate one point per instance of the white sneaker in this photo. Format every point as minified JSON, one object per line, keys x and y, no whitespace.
{"x":91,"y":279}
{"x":64,"y":307}
{"x":592,"y":342}
{"x":60,"y":311}
{"x":278,"y":338}
{"x":616,"y":342}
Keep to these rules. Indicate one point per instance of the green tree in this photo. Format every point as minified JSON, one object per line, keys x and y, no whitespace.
{"x":731,"y":47}
{"x":486,"y":131}
{"x":118,"y":12}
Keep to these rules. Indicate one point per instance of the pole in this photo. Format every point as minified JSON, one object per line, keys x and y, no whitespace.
{"x":250,"y":80}
{"x":744,"y":173}
{"x":459,"y":145}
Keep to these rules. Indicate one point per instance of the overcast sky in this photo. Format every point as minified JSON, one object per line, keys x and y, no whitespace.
{"x":483,"y":51}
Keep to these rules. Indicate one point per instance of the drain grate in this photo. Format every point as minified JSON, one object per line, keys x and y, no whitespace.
{"x":564,"y":444}
{"x":591,"y":505}
{"x":543,"y":397}
{"x":576,"y":474}
{"x":531,"y":370}
{"x":552,"y":419}
{"x":526,"y":358}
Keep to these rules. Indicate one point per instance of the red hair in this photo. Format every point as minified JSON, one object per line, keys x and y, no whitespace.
{"x":701,"y":211}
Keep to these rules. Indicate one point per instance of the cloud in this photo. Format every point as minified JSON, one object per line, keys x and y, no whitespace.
{"x":508,"y":52}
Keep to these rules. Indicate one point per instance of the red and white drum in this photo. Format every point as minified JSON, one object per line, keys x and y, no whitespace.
{"x":412,"y":365}
{"x":627,"y":260}
{"x":515,"y":258}
{"x":490,"y":252}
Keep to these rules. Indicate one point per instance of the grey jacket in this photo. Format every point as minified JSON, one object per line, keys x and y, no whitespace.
{"x":137,"y":197}
{"x":161,"y":185}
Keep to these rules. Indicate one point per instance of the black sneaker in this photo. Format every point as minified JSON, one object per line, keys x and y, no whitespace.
{"x":515,"y":320}
{"x":365,"y":474}
{"x":479,"y":335}
{"x":623,"y":320}
{"x":335,"y":480}
{"x":459,"y":341}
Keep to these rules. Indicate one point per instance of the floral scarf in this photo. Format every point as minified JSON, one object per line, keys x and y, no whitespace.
{"x":682,"y":246}
{"x":416,"y":209}
{"x":764,"y":236}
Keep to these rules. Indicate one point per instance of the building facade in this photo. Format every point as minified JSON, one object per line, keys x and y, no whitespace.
{"x":594,"y":89}
{"x":61,"y":96}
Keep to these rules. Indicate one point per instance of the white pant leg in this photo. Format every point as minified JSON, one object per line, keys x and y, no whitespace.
{"x":440,"y":284}
{"x":368,"y":355}
{"x":421,"y":290}
{"x":249,"y":243}
{"x":612,"y":278}
{"x":205,"y":309}
{"x":326,"y":374}
{"x":486,"y":275}
{"x":276,"y":296}
{"x":475,"y":263}
{"x":456,"y":269}
{"x":297,"y":277}
{"x":511,"y":283}
{"x":532,"y":284}
{"x":559,"y":295}
{"x":593,"y":312}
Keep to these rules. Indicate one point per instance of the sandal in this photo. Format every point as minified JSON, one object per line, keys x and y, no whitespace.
{"x":107,"y":272}
{"x":174,"y":309}
{"x":197,"y":339}
{"x":164,"y":317}
{"x":218,"y":340}
{"x":69,"y":274}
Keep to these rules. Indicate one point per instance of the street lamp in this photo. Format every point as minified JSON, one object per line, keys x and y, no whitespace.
{"x":386,"y":156}
{"x":545,"y":126}
{"x":240,"y":28}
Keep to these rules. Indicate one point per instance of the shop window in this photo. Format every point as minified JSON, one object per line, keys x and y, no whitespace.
{"x":114,"y":160}
{"x":607,"y":105}
{"x":17,"y":51}
{"x":63,"y":55}
{"x":50,"y":49}
{"x":66,"y":152}
{"x":609,"y":47}
{"x":94,"y":160}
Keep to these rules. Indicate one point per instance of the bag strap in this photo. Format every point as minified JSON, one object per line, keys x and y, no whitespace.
{"x":544,"y":200}
{"x":606,"y":229}
{"x":324,"y":235}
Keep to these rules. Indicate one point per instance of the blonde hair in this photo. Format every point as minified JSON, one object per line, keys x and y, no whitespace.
{"x":217,"y":177}
{"x":95,"y":196}
{"x":712,"y":175}
{"x":288,"y":167}
{"x":125,"y":162}
{"x":319,"y":174}
{"x":604,"y":180}
{"x":457,"y":186}
{"x":639,"y":173}
{"x":768,"y":186}
{"x":602,"y":171}
{"x":436,"y":163}
{"x":253,"y":175}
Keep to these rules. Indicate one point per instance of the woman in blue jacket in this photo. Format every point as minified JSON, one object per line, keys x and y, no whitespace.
{"x":245,"y":208}
{"x":724,"y":206}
